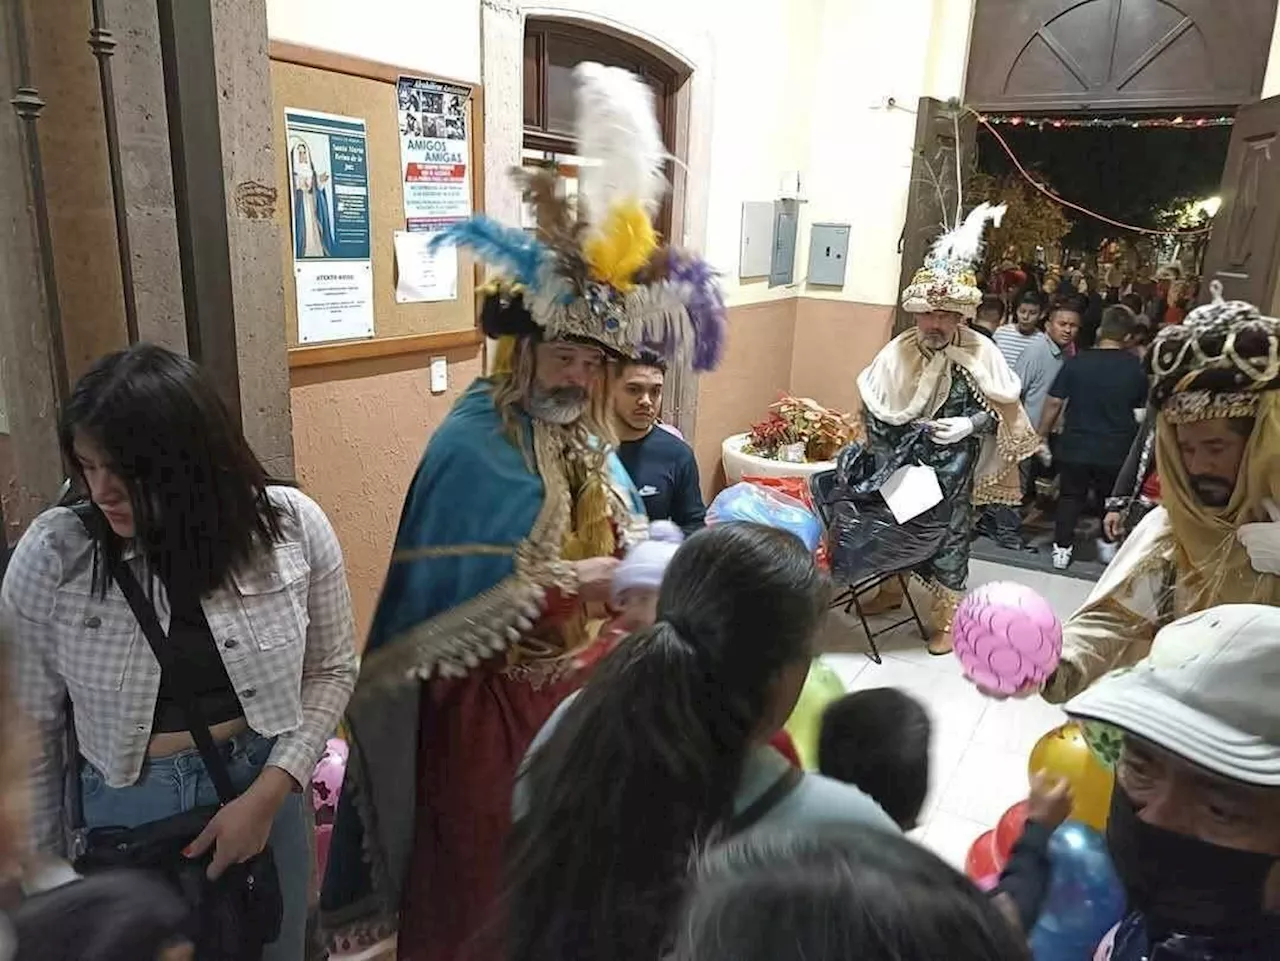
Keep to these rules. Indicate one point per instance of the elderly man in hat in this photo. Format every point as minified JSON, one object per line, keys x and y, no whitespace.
{"x":1194,"y":830}
{"x":954,"y":382}
{"x":508,"y":541}
{"x":1215,"y":538}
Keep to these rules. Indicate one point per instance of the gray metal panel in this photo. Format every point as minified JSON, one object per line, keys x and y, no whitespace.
{"x":828,"y":254}
{"x":755,"y":251}
{"x":786,"y":219}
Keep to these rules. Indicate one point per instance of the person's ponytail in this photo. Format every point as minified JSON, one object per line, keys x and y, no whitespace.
{"x":641,"y":767}
{"x":645,"y":764}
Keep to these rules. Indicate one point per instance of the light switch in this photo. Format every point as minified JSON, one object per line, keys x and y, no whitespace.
{"x":439,"y":375}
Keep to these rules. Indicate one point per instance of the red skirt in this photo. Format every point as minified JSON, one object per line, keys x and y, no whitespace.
{"x":472,"y":735}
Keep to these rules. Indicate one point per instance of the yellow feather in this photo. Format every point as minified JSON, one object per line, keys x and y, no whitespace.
{"x":623,"y":247}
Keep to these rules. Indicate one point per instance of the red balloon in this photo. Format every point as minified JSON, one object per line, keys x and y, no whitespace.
{"x":983,"y":859}
{"x":1010,"y":829}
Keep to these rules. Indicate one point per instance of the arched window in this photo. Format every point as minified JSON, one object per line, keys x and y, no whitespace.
{"x":552,"y":48}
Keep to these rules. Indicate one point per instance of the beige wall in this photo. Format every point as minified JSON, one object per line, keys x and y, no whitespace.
{"x":756,"y":370}
{"x":358,"y":432}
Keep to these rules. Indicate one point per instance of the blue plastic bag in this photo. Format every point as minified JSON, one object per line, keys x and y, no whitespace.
{"x":751,"y":502}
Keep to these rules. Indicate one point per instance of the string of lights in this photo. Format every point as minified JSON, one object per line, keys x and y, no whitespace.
{"x":1144,"y":123}
{"x":987,"y":122}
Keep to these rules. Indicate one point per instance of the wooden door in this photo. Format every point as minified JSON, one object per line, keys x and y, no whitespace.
{"x":1028,"y":55}
{"x":1244,"y":245}
{"x":944,"y":137}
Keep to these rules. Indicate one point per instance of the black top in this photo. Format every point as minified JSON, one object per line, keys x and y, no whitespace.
{"x":1102,"y":389}
{"x":202,"y":665}
{"x":662,"y":467}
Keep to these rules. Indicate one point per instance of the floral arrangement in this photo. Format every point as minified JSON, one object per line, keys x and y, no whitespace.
{"x":799,"y":430}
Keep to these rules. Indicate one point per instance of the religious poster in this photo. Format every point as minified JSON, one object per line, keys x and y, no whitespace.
{"x":434,"y":153}
{"x":329,"y":179}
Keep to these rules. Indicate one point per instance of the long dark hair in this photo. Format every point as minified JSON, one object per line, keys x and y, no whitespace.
{"x":645,"y":763}
{"x":832,"y":894}
{"x":198,"y":492}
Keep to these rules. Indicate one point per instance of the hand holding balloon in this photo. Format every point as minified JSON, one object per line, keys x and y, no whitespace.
{"x":1050,"y":800}
{"x":1007,"y":638}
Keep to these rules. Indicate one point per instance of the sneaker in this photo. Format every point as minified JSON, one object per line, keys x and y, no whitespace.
{"x":1061,"y":557}
{"x":1107,"y":551}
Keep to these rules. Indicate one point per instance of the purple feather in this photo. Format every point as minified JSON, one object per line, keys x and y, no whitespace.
{"x":705,"y":305}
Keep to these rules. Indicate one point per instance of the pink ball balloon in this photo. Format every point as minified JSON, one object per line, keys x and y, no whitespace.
{"x":1006,"y":637}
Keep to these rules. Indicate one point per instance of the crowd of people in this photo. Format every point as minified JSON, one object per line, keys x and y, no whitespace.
{"x":565,"y":729}
{"x":1078,"y":353}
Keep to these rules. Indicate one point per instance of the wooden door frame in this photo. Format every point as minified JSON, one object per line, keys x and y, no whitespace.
{"x":982,"y":71}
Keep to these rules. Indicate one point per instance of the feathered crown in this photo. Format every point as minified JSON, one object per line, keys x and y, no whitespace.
{"x":598,"y":273}
{"x":1216,"y":363}
{"x":947,"y":280}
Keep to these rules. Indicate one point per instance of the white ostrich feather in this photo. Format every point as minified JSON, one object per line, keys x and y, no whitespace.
{"x":619,"y":142}
{"x":965,"y":242}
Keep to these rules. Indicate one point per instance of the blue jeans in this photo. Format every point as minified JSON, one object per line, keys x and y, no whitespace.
{"x":171,"y":785}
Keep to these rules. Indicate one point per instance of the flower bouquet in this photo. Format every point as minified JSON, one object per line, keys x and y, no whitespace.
{"x":799,"y":430}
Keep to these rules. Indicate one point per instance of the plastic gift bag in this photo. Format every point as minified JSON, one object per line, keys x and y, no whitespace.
{"x":863,"y":537}
{"x":762,"y":505}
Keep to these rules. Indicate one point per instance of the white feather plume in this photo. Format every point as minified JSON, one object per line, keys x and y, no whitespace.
{"x":619,"y":142}
{"x":965,"y":242}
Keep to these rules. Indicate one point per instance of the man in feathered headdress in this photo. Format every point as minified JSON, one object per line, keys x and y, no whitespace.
{"x":955,"y":381}
{"x":504,"y":558}
{"x":1215,"y":539}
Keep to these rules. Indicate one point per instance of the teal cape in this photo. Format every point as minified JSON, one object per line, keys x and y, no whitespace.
{"x":473,"y":489}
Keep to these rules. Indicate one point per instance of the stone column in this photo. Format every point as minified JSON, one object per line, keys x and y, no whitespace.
{"x":143,"y":128}
{"x":249,"y":173}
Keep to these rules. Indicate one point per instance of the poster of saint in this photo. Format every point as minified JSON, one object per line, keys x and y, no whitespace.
{"x":329,"y":206}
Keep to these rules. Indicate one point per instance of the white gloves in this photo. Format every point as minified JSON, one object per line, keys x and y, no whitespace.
{"x":1262,"y":541}
{"x":950,"y":430}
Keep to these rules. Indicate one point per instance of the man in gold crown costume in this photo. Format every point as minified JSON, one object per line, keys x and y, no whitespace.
{"x":954,"y":381}
{"x":1215,"y":538}
{"x":507,"y":543}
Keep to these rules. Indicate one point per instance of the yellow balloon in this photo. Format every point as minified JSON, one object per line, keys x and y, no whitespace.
{"x":1065,"y":752}
{"x":821,"y":687}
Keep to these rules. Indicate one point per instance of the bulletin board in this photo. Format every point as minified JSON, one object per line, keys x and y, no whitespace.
{"x":319,"y":80}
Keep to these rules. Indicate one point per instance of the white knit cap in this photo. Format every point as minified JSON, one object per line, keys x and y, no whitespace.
{"x":645,"y":563}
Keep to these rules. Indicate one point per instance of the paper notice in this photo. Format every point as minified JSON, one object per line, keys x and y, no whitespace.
{"x":335,"y":300}
{"x":424,"y":275}
{"x":910,"y":491}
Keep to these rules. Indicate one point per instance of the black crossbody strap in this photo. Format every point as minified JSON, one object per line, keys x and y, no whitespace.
{"x":145,"y":612}
{"x":775,"y":794}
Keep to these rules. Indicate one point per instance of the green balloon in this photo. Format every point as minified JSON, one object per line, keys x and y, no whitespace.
{"x":821,"y":687}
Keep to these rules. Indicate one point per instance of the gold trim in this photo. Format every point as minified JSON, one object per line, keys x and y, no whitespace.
{"x":457,"y":640}
{"x":451,"y":550}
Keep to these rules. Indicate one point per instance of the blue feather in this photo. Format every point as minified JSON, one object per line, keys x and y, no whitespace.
{"x":509,"y":248}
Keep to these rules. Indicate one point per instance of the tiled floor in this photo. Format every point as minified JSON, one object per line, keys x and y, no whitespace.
{"x":980,"y":745}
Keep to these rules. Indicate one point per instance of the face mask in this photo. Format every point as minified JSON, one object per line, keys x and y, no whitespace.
{"x":1186,"y":885}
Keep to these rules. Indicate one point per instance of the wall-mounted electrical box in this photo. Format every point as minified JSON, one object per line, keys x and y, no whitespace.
{"x":828,"y":254}
{"x":786,"y":219}
{"x":755,"y":252}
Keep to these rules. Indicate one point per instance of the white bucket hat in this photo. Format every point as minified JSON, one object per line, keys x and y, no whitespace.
{"x":1208,"y":692}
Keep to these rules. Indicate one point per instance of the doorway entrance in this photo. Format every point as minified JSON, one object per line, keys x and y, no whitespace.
{"x":1105,"y":58}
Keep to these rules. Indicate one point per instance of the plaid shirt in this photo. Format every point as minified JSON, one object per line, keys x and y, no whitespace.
{"x":283,"y":628}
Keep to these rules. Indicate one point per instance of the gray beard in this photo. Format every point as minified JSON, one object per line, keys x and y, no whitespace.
{"x":562,"y":406}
